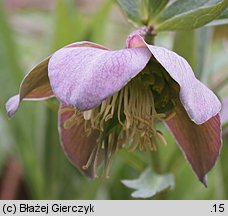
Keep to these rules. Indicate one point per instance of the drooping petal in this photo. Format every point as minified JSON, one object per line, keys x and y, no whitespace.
{"x":77,"y":146}
{"x":35,"y":86}
{"x":200,"y":102}
{"x":82,"y":76}
{"x":12,"y":105}
{"x":200,"y":144}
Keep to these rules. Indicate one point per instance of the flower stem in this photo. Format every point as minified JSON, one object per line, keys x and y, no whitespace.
{"x":147,"y":32}
{"x":157,"y":168}
{"x":149,"y":39}
{"x":155,"y":162}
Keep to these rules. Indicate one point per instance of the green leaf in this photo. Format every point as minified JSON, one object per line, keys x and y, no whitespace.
{"x":180,"y":7}
{"x":222,"y":19}
{"x":149,"y":184}
{"x":218,"y":22}
{"x":224,"y":14}
{"x":149,"y":9}
{"x":157,"y":6}
{"x":142,"y":11}
{"x":132,"y":9}
{"x":187,"y":15}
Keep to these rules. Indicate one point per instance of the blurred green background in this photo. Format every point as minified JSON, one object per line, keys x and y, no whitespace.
{"x":32,"y":163}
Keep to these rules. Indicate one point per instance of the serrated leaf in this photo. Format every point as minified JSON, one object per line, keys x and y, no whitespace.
{"x":187,"y":15}
{"x":149,"y":184}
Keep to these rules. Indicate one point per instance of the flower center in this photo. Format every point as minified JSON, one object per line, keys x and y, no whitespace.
{"x":127,"y":119}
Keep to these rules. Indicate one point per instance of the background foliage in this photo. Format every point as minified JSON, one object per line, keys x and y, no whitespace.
{"x":32,"y":163}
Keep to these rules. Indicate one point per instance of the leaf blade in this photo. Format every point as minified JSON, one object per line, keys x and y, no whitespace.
{"x":181,"y":19}
{"x":222,"y":19}
{"x":131,"y":9}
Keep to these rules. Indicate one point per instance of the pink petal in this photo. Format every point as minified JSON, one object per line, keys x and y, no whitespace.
{"x":200,"y":102}
{"x":35,"y":86}
{"x":83,"y":76}
{"x":200,"y":144}
{"x":76,"y":144}
{"x":12,"y":105}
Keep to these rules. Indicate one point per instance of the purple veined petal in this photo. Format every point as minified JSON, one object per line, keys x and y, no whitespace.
{"x":76,"y":144}
{"x":200,"y":102}
{"x":36,"y":85}
{"x":224,"y":112}
{"x":200,"y":144}
{"x":82,"y":76}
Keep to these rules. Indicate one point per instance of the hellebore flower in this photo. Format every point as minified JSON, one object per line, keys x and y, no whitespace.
{"x":112,"y":99}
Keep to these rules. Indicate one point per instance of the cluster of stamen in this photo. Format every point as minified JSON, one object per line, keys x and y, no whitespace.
{"x":125,"y":120}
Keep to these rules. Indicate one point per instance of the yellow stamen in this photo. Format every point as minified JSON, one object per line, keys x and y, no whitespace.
{"x":161,"y":138}
{"x":69,"y":123}
{"x":87,"y":114}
